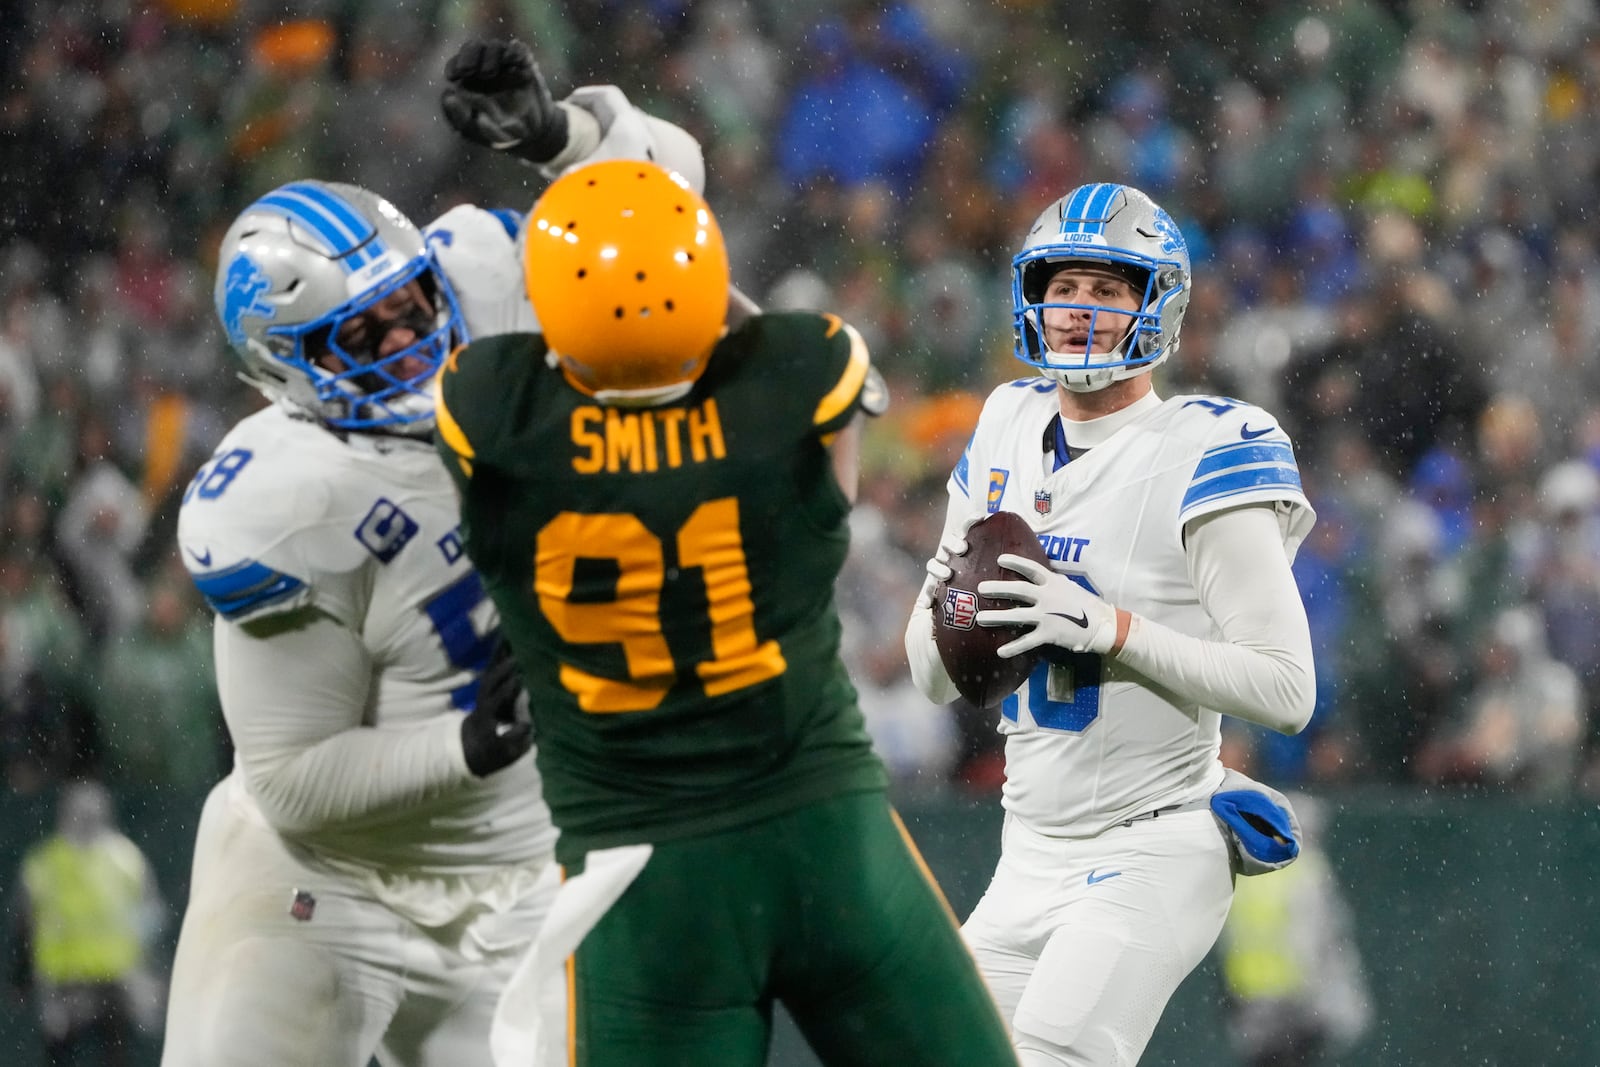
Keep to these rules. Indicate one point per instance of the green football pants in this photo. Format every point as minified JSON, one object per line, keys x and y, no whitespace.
{"x":827,"y":909}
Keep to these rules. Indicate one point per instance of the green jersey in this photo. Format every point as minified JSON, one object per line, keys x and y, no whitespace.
{"x":665,"y":576}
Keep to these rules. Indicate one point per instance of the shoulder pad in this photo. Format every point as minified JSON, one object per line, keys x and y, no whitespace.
{"x":1005,"y":404}
{"x":826,"y":364}
{"x":479,"y":255}
{"x":1222,"y":418}
{"x":232,"y":533}
{"x":260,"y":537}
{"x":1245,"y":456}
{"x":628,"y":133}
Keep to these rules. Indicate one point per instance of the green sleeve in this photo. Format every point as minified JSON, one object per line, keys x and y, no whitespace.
{"x":471,"y":395}
{"x":829,"y":366}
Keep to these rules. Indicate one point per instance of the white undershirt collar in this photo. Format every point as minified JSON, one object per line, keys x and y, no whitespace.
{"x":1088,"y":434}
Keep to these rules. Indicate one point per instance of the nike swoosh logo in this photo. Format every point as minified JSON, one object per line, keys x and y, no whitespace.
{"x":1250,"y":435}
{"x":1076,"y":620}
{"x":204,"y":560}
{"x":1095,"y":879}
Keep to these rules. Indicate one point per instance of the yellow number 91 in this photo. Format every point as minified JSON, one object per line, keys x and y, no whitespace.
{"x":710,"y":541}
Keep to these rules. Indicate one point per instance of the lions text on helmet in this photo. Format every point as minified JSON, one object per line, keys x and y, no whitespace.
{"x":1100,"y":287}
{"x":337,"y":306}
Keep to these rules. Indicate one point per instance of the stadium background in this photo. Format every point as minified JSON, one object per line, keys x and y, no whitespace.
{"x":1390,"y":207}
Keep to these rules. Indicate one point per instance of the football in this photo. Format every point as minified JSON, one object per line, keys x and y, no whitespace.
{"x":967,"y":649}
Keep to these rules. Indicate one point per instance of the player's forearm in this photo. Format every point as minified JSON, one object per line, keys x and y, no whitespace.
{"x":295,"y":701}
{"x":358,"y":774}
{"x":927,"y":669}
{"x":1273,"y":686}
{"x":583,"y":137}
{"x":1262,"y":668}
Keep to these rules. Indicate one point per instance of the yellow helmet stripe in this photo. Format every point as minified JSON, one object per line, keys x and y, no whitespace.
{"x":848,"y":388}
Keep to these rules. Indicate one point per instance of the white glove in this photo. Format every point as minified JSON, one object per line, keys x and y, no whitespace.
{"x":1060,"y":611}
{"x":954,"y":543}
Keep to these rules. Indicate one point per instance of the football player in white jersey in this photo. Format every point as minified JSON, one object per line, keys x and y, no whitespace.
{"x":1171,"y":525}
{"x":371,"y":872}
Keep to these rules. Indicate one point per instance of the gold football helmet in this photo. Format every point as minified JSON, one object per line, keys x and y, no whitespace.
{"x":627,"y":270}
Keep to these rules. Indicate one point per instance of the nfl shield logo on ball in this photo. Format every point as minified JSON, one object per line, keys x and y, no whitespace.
{"x":1041,"y":502}
{"x":960,"y":609}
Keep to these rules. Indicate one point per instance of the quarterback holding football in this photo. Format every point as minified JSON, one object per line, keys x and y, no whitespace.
{"x":1166,"y":601}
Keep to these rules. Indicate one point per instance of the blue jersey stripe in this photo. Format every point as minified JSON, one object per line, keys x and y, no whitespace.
{"x":245,"y":587}
{"x":963,"y":472}
{"x":1241,"y":481}
{"x":1243,"y":454}
{"x":510,"y":220}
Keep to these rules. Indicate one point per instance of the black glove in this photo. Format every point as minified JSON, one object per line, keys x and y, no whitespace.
{"x":496,"y":732}
{"x":497,"y":98}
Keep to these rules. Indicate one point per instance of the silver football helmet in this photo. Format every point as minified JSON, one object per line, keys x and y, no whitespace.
{"x":1114,"y":226}
{"x":304,"y":261}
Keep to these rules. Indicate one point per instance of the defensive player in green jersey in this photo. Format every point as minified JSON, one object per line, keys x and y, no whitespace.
{"x":658,"y":507}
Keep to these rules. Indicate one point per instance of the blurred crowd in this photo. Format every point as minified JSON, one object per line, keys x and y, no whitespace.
{"x":1389,"y":206}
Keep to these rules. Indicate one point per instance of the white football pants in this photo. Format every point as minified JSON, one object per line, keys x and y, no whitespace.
{"x":1083,"y":941}
{"x":261,"y":982}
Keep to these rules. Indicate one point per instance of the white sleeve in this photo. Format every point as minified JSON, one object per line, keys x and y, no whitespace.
{"x":1262,"y":669}
{"x":676,"y":149}
{"x":294,"y":704}
{"x":602,"y":124}
{"x":927,"y":669}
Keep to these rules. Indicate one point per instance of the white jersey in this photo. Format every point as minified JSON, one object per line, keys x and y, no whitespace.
{"x":365,"y":528}
{"x":1091,"y":742}
{"x":288,"y":514}
{"x":477,"y":249}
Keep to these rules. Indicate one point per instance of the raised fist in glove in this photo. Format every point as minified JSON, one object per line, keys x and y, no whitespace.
{"x":1057,"y":609}
{"x":497,"y":98}
{"x":497,"y":731}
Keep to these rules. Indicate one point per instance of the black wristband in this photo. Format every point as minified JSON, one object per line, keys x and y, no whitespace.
{"x":548,"y":142}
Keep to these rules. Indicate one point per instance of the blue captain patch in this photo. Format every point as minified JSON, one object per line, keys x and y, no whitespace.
{"x":386,"y":530}
{"x":997,"y":487}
